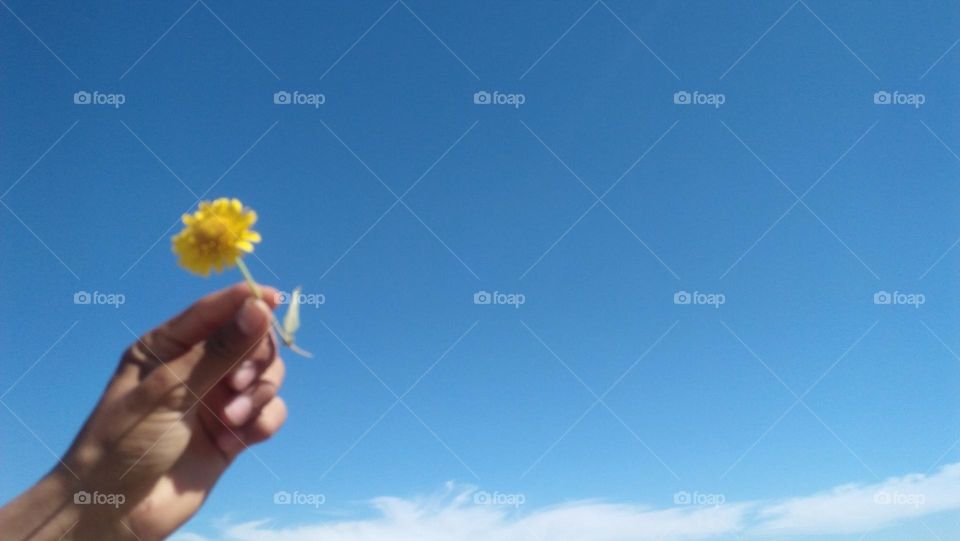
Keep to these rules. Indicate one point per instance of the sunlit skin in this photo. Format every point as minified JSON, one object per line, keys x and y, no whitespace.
{"x":186,"y":399}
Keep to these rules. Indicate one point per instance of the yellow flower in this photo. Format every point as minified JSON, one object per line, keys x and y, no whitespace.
{"x":215,"y":236}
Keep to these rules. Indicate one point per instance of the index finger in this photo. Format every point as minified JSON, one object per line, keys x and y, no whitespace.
{"x":195,"y":324}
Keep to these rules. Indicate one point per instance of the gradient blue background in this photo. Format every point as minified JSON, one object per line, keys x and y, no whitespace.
{"x":884,"y":217}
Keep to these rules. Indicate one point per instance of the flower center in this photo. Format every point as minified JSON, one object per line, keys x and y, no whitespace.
{"x":212,"y":235}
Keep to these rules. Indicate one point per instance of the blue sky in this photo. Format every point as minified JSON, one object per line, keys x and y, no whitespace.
{"x":598,"y":199}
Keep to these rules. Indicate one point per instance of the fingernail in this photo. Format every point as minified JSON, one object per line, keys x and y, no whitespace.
{"x":238,"y":410}
{"x":252,"y":315}
{"x":229,"y":443}
{"x":243,"y":376}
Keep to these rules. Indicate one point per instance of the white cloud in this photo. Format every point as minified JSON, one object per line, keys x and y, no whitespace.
{"x":861,"y":508}
{"x":454,"y":514}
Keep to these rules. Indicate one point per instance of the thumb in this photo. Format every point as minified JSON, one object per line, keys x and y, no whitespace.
{"x":229,"y":345}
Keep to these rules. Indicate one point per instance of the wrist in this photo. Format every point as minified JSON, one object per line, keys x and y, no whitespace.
{"x":45,"y":511}
{"x":58,"y":509}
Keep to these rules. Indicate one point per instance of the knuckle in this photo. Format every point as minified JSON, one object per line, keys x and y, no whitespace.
{"x":221,"y":346}
{"x":164,"y":388}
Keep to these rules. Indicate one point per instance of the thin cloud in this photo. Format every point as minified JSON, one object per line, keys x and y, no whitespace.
{"x":458,"y":513}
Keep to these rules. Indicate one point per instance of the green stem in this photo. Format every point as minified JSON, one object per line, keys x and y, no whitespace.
{"x":259,"y":294}
{"x":249,"y":278}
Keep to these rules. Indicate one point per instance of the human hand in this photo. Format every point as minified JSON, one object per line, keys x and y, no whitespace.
{"x":186,"y":399}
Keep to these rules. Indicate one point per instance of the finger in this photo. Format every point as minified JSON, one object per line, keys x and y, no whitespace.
{"x":265,"y":425}
{"x":245,"y":406}
{"x":227,"y":347}
{"x":198,"y":322}
{"x":253,"y":366}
